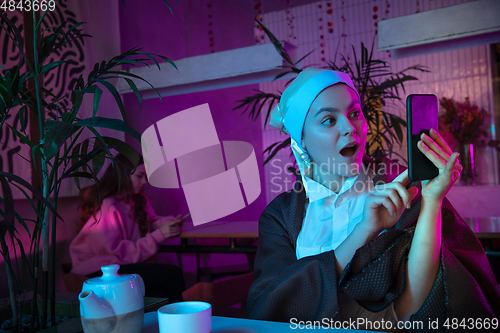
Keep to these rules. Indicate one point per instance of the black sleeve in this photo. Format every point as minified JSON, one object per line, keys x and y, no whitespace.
{"x":468,"y":277}
{"x":464,"y":288}
{"x":285,"y":287}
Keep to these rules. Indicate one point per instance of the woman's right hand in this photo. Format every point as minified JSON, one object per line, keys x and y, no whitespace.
{"x":171,"y":228}
{"x":385,"y":204}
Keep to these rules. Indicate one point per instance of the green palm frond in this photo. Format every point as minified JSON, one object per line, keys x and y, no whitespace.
{"x":257,"y":102}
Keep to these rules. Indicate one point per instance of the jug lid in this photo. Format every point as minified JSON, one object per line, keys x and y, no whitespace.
{"x":110,"y":276}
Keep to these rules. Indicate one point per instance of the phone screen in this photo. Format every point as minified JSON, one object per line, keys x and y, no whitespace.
{"x":422,"y":115}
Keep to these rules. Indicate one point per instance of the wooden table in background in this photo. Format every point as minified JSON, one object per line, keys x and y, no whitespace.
{"x":222,"y":230}
{"x":246,"y":232}
{"x":229,"y":230}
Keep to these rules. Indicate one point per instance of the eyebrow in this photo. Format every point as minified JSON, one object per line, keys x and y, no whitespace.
{"x":330,"y":109}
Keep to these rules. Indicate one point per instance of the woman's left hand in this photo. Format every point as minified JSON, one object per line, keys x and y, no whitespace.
{"x":171,"y":228}
{"x":438,"y":151}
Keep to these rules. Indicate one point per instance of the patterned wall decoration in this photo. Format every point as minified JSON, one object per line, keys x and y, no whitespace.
{"x":9,"y":144}
{"x":258,"y":31}
{"x":458,"y":73}
{"x":210,"y":26}
{"x":290,"y":19}
{"x":383,"y":15}
{"x":9,"y":54}
{"x":59,"y":82}
{"x":80,"y":56}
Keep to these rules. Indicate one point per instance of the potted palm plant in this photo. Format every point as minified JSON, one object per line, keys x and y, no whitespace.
{"x":376,"y":84}
{"x":58,"y":152}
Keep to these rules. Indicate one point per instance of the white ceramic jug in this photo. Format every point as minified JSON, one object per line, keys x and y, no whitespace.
{"x":112,"y":302}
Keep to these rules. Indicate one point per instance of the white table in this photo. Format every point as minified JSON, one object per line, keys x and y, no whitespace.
{"x":234,"y":325}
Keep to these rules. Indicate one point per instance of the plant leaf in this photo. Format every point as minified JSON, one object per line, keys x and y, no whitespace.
{"x":83,"y":160}
{"x":277,"y":44}
{"x":8,"y":201}
{"x":17,"y":37}
{"x":51,"y":66}
{"x":97,"y":100}
{"x":135,"y":90}
{"x":111,"y":88}
{"x":121,"y":147}
{"x":33,"y":190}
{"x":280,"y":146}
{"x":56,"y":133}
{"x":115,"y":124}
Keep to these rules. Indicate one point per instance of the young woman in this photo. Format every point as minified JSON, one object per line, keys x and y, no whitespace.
{"x":125,"y":230}
{"x":351,"y":240}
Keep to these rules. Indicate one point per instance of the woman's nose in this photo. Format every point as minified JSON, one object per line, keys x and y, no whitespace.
{"x":347,"y":127}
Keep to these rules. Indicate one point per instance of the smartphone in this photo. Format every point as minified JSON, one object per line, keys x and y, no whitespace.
{"x":422,"y":115}
{"x":183,"y":219}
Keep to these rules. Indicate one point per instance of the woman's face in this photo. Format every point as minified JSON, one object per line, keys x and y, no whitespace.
{"x":335,"y":131}
{"x":138,"y":178}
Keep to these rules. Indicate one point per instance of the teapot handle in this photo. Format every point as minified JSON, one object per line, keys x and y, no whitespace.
{"x":141,"y":281}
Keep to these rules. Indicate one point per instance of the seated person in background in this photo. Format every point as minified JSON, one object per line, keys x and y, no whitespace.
{"x":125,"y":230}
{"x":351,"y":240}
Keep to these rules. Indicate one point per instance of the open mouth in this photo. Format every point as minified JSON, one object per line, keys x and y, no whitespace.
{"x":349,"y":151}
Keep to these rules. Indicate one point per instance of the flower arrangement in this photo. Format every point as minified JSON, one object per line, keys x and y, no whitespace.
{"x":465,"y":122}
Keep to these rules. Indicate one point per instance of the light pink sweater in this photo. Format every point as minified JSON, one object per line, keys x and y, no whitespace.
{"x":113,"y":238}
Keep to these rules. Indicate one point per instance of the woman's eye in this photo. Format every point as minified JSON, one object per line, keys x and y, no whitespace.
{"x":355,"y":114}
{"x":328,"y":121}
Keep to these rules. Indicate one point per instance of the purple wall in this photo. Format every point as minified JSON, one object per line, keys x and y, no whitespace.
{"x":181,"y":35}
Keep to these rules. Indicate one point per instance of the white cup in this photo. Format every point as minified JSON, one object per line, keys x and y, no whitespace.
{"x":186,"y":317}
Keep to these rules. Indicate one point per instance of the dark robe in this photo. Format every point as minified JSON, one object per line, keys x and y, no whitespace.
{"x":307,"y":289}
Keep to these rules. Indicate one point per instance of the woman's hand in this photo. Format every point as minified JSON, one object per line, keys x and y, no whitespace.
{"x":438,"y":151}
{"x":171,"y":228}
{"x":383,"y":207}
{"x":385,"y":204}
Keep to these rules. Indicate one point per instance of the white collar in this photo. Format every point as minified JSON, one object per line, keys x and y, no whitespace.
{"x":317,"y":191}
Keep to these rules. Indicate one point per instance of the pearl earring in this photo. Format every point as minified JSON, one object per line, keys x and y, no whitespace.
{"x":306,"y":158}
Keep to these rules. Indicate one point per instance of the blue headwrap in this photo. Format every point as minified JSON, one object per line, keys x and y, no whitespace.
{"x":290,"y":114}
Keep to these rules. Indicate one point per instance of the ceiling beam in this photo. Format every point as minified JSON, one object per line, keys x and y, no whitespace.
{"x":243,"y":66}
{"x":459,"y":26}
